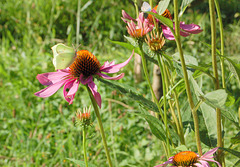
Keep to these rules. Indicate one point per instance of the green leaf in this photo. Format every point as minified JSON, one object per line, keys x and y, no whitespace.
{"x":184,"y":6}
{"x":207,"y":118}
{"x":236,"y":139}
{"x":163,"y":19}
{"x":217,"y":99}
{"x":162,"y":6}
{"x":233,"y":152}
{"x":81,"y":163}
{"x":155,"y":125}
{"x":234,"y":68}
{"x":127,"y":46}
{"x":128,"y":91}
{"x":132,"y":41}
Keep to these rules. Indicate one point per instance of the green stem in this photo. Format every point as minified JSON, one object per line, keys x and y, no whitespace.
{"x":78,"y":23}
{"x":222,"y":63}
{"x":84,"y":146}
{"x":190,"y":99}
{"x":136,"y":7}
{"x":95,"y":106}
{"x":177,"y":121}
{"x":222,"y":42}
{"x":154,"y":97}
{"x":164,"y":97}
{"x":215,"y":73}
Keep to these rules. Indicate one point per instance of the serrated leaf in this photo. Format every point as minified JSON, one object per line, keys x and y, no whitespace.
{"x":162,"y":6}
{"x":81,"y":163}
{"x":128,"y":91}
{"x":163,"y":19}
{"x":184,"y":6}
{"x":155,"y":126}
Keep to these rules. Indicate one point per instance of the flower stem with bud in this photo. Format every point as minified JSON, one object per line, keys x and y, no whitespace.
{"x":96,"y":110}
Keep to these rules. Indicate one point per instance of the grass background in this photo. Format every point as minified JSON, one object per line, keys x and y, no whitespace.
{"x":41,"y":132}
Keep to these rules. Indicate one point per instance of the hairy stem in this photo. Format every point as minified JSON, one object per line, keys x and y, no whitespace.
{"x":190,"y":99}
{"x":215,"y":73}
{"x":95,"y":106}
{"x":84,"y":146}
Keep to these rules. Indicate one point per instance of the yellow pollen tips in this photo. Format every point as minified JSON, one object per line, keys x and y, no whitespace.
{"x":185,"y":158}
{"x":155,"y":41}
{"x":138,"y":33}
{"x":85,"y":63}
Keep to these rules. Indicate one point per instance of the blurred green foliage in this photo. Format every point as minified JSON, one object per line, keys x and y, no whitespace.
{"x":40,"y":132}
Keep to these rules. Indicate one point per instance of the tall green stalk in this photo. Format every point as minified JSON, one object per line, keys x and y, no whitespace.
{"x":84,"y":146}
{"x":190,"y":99}
{"x":215,"y":73}
{"x":222,"y":42}
{"x":96,"y":110}
{"x":144,"y":63}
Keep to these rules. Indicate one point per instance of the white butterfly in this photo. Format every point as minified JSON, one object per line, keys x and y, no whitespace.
{"x":63,"y":56}
{"x":146,"y":7}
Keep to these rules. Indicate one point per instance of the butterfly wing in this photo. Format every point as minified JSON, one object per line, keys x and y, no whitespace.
{"x":146,"y":7}
{"x":63,"y":56}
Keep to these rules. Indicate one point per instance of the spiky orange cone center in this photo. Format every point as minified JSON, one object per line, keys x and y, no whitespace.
{"x":85,"y":63}
{"x":185,"y":158}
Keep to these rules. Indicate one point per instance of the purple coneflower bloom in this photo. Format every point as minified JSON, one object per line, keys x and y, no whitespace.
{"x":82,"y":70}
{"x":185,"y":29}
{"x":139,"y":30}
{"x":191,"y":159}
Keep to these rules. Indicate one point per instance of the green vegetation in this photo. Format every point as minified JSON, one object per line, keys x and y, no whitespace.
{"x":42,"y":132}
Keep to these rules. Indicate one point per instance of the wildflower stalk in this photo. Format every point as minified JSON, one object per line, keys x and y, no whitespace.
{"x":96,"y":110}
{"x":136,"y":7}
{"x":222,"y":42}
{"x":78,"y":22}
{"x":154,"y":97}
{"x":215,"y":74}
{"x":84,"y":145}
{"x":178,"y":122}
{"x":189,"y":95}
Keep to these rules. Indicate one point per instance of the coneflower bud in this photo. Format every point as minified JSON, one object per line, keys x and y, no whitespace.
{"x":155,"y":41}
{"x":84,"y":118}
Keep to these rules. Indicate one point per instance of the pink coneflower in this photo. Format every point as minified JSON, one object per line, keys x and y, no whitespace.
{"x":191,"y":159}
{"x":139,"y":30}
{"x":186,"y":29}
{"x":82,"y":70}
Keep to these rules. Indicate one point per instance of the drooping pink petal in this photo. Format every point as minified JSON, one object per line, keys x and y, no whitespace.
{"x":184,"y":34}
{"x":69,"y":97}
{"x":93,"y":87}
{"x":73,"y":87}
{"x":167,"y":32}
{"x":191,"y":28}
{"x":126,"y":16}
{"x":50,"y":90}
{"x":170,"y":161}
{"x":204,"y":163}
{"x":117,"y":67}
{"x":210,"y":152}
{"x":51,"y":77}
{"x":120,"y":76}
{"x":214,"y":161}
{"x":107,"y":64}
{"x":198,"y":165}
